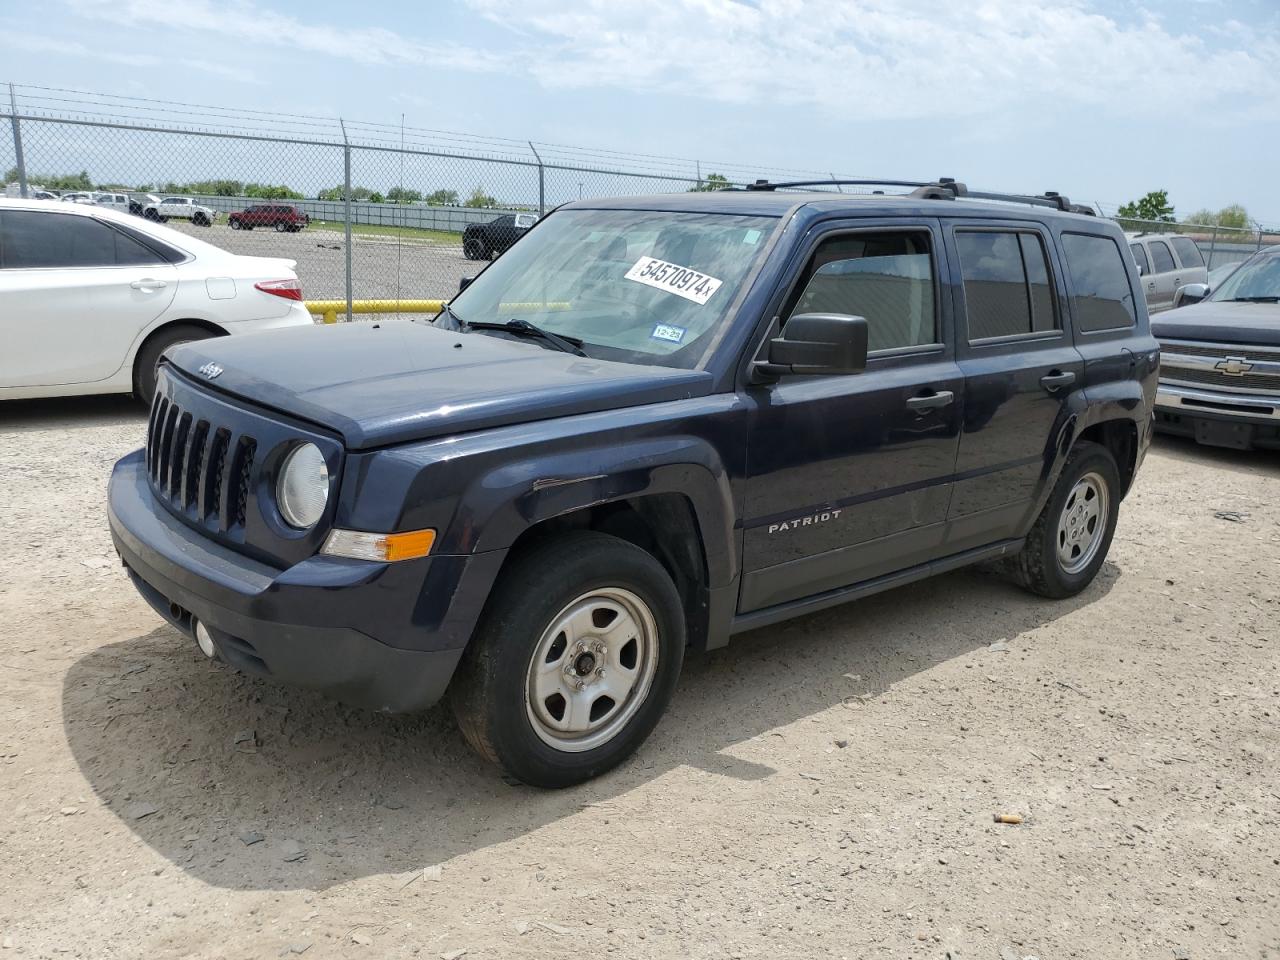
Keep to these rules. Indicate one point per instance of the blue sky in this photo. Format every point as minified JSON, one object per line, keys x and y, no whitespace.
{"x":1099,"y":99}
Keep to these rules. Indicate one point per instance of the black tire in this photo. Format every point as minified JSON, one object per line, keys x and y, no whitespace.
{"x":162,"y":219}
{"x":152,"y":215}
{"x":200,"y":220}
{"x":281,"y":226}
{"x":233,"y":224}
{"x":491,"y":692}
{"x":473,"y":248}
{"x":1040,"y":566}
{"x":144,"y":367}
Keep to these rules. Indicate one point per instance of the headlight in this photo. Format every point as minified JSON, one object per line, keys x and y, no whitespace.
{"x":303,"y":488}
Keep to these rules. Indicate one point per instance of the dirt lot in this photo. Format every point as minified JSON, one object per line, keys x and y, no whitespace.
{"x":824,"y":788}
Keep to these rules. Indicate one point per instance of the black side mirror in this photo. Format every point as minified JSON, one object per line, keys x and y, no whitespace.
{"x":464,"y":282}
{"x":1190,"y":293}
{"x":817,"y":343}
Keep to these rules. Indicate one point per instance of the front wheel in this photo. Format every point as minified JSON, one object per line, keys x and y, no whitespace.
{"x":574,"y":661}
{"x":281,"y":226}
{"x":200,"y":220}
{"x":234,"y":224}
{"x":473,"y":249}
{"x":1069,"y":542}
{"x":147,"y":363}
{"x":162,"y":219}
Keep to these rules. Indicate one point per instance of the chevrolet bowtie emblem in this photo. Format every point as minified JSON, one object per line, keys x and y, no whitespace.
{"x":211,"y":370}
{"x":1233,"y":366}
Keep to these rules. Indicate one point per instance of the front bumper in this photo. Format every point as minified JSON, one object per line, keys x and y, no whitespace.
{"x":377,"y":635}
{"x":1218,"y":418}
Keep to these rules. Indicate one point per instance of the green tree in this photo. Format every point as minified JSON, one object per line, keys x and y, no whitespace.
{"x":479,"y":198}
{"x":50,"y":181}
{"x":268,"y":191}
{"x":376,"y":197}
{"x":443,"y":198}
{"x":1234,"y":216}
{"x":357,"y":193}
{"x":403,"y":195}
{"x":713,"y":181}
{"x":1154,"y":206}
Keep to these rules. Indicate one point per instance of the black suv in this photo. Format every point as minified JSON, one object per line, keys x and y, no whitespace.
{"x":653,"y":424}
{"x":484,"y":241}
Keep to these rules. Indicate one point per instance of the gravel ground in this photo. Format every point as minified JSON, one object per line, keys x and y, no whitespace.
{"x":821,"y":789}
{"x":381,"y":267}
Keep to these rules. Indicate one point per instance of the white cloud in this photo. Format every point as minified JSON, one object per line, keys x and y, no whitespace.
{"x":876,"y":59}
{"x":250,"y":23}
{"x":35,"y":43}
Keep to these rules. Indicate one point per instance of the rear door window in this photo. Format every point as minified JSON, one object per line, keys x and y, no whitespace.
{"x":1187,"y":252}
{"x":1007,"y":289}
{"x":1101,"y":298}
{"x":1140,"y":257}
{"x":1161,"y":257}
{"x":31,"y":239}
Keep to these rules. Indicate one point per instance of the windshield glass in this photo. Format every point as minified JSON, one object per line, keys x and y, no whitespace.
{"x":639,"y":286}
{"x":1257,"y":279}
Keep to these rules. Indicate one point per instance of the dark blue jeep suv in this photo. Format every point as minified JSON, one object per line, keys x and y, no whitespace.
{"x":650,"y":425}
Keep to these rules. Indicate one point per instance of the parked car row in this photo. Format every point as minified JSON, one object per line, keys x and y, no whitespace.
{"x":91,"y":297}
{"x":1166,"y":263}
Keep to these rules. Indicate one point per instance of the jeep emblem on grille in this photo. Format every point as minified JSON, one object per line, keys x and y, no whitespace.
{"x":1233,"y":366}
{"x":211,"y":370}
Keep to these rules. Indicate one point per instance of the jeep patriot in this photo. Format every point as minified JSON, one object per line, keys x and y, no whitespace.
{"x":650,"y":425}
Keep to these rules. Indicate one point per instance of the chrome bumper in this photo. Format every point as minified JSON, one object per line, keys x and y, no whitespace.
{"x":1191,"y":401}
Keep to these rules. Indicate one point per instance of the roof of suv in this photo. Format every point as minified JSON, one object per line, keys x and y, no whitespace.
{"x":769,"y":203}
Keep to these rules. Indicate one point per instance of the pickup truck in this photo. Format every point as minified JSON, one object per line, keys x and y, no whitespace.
{"x":651,"y":425}
{"x":183,"y":208}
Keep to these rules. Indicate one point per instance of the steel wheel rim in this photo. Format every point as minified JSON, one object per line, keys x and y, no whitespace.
{"x":1082,"y":523}
{"x":591,"y":669}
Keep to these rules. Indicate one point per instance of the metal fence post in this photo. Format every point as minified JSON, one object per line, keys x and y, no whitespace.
{"x":1213,"y":244}
{"x":542,"y":180}
{"x":17,"y":143}
{"x":346,"y":206}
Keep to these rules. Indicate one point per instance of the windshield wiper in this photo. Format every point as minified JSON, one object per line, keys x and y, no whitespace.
{"x":525,"y":328}
{"x":446,"y":310}
{"x":1275,"y":298}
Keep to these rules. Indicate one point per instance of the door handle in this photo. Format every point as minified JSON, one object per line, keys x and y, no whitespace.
{"x":930,"y":401}
{"x":1151,"y":285}
{"x":1057,"y":379}
{"x":147,"y":284}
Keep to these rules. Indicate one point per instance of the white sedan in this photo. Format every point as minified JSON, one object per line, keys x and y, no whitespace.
{"x":91,"y":298}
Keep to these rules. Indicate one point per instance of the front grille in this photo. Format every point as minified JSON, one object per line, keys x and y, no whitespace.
{"x":194,"y":466}
{"x":1216,"y":378}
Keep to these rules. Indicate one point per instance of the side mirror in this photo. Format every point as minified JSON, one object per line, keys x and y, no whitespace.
{"x":817,"y":343}
{"x":464,"y":282}
{"x":1142,"y":271}
{"x":1190,"y":293}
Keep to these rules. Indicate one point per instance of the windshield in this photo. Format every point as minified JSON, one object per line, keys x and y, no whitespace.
{"x":639,"y":286}
{"x":1257,"y":279}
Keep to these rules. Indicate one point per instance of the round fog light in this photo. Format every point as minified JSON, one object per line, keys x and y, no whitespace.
{"x":204,"y":640}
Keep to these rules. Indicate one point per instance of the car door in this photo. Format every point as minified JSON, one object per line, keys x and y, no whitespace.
{"x":1020,"y":366}
{"x":1191,"y":268}
{"x":849,"y":476}
{"x":74,"y":294}
{"x":1164,"y":275}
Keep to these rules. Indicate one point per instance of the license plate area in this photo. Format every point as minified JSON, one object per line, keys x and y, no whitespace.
{"x":1224,"y":433}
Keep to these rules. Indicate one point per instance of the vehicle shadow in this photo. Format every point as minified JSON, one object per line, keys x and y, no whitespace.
{"x":68,"y":413}
{"x":1186,"y":450}
{"x":335,"y":793}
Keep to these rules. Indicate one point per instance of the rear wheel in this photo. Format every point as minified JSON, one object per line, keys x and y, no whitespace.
{"x":574,"y":661}
{"x":281,"y":226}
{"x":1069,"y":542}
{"x":473,"y":249}
{"x":200,"y":220}
{"x":234,"y":224}
{"x":163,"y":219}
{"x":145,"y":366}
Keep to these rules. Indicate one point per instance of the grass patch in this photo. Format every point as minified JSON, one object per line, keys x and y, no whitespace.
{"x":381,"y":230}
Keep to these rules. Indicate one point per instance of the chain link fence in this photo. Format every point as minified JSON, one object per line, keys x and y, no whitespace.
{"x":369,"y":211}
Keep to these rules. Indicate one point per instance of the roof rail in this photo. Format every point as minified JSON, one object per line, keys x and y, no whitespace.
{"x":944,"y":188}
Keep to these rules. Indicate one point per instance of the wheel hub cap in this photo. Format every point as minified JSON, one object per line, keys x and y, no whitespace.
{"x":592,"y":669}
{"x":1083,"y":523}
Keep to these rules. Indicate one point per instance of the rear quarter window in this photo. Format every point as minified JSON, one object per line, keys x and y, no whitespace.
{"x":1101,"y":298}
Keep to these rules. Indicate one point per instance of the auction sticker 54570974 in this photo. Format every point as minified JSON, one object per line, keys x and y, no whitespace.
{"x":673,"y":278}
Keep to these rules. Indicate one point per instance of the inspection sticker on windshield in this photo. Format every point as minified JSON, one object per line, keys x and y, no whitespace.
{"x":668,"y":331}
{"x":673,"y":278}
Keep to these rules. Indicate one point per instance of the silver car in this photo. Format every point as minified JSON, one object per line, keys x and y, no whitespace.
{"x":1166,"y":263}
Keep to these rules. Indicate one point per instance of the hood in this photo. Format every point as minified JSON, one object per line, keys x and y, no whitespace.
{"x":390,"y":382}
{"x":1256,"y":324}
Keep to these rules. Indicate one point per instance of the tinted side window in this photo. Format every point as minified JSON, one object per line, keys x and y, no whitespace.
{"x":1006,"y":283}
{"x":1101,"y":298}
{"x":1140,"y":256}
{"x":888,"y":278}
{"x":1188,"y":252}
{"x":35,"y":239}
{"x":1161,"y":257}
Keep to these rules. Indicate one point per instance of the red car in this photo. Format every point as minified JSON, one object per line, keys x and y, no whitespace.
{"x":283,"y":217}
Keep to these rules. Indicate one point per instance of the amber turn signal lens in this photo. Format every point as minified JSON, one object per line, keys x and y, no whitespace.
{"x":384,"y":547}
